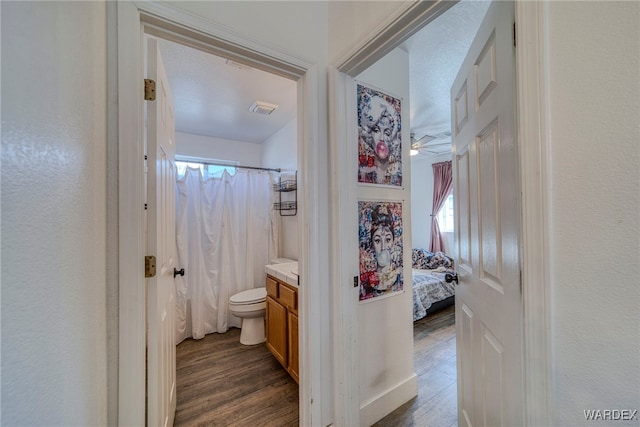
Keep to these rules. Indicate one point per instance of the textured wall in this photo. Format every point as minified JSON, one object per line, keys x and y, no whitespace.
{"x":594,"y":79}
{"x":353,"y":21}
{"x":53,"y":213}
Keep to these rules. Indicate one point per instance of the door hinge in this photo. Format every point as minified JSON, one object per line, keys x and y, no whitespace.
{"x":149,"y":90}
{"x":149,"y":266}
{"x":514,"y":34}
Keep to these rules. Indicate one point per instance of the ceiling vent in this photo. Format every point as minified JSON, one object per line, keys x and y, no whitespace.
{"x":261,"y":107}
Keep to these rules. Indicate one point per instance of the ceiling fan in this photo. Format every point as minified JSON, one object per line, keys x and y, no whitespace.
{"x":431,"y":144}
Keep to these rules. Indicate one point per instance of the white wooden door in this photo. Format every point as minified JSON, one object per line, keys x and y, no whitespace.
{"x":161,"y":242}
{"x":485,"y":168}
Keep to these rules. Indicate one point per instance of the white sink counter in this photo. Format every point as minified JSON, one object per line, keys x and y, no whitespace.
{"x":287,"y":272}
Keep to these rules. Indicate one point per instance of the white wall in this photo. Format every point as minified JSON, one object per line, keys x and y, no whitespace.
{"x":247,"y":153}
{"x":385,"y":325}
{"x":352,"y":22}
{"x":281,"y":151}
{"x":54,"y":88}
{"x":594,"y":93}
{"x":422,"y":202}
{"x":298,"y":28}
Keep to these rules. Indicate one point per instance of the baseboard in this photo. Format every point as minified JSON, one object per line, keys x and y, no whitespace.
{"x":382,"y":405}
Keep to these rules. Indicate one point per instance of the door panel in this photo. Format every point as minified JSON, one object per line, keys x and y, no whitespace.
{"x":464,"y":343}
{"x":161,"y":347}
{"x":488,"y":298}
{"x":463,"y":209}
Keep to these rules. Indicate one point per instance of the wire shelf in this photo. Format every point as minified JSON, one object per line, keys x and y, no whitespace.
{"x":287,"y":207}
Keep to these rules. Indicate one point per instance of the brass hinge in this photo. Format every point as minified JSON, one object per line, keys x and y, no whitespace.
{"x":149,"y":266}
{"x":149,"y":90}
{"x":514,"y":34}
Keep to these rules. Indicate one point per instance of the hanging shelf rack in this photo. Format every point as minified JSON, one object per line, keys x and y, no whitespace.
{"x":290,"y":186}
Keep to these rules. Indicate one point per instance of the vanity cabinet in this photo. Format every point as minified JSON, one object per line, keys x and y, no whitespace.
{"x":282,"y":324}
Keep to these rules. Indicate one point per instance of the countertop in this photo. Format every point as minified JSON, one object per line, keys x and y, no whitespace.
{"x":287,"y":272}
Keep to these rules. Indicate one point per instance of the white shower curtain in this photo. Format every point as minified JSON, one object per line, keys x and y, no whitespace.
{"x":226,"y":233}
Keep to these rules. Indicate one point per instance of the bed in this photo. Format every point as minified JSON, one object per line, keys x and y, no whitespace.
{"x":431,"y":292}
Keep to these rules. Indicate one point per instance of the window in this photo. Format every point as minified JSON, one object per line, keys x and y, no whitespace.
{"x":207,"y":170}
{"x":445,"y":216}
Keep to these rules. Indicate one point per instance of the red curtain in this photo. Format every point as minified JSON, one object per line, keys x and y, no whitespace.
{"x":442,"y":185}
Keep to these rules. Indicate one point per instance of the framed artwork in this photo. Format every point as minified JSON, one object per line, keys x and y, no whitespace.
{"x":379,"y":138}
{"x":381,"y":248}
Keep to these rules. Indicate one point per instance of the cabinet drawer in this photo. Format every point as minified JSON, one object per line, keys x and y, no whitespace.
{"x":272,"y":287}
{"x":288,"y":297}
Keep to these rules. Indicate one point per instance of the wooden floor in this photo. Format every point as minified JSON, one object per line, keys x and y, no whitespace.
{"x":224,"y":383}
{"x":435,"y":364}
{"x":221,"y":382}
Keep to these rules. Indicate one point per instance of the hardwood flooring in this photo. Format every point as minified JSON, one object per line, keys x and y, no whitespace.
{"x":223,"y":383}
{"x":435,"y":364}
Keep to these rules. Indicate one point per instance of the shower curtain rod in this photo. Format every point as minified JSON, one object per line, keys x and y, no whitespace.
{"x":240,"y":166}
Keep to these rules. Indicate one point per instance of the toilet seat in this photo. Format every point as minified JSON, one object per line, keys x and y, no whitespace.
{"x":250,"y":296}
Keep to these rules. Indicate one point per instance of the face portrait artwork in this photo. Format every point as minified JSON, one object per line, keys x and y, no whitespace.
{"x":380,"y":237}
{"x":379,"y":138}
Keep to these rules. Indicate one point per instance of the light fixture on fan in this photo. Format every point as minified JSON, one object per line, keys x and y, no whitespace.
{"x":431,"y":144}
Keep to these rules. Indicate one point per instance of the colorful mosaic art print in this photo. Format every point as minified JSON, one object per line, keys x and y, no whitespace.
{"x":380,"y":238}
{"x":379,"y":138}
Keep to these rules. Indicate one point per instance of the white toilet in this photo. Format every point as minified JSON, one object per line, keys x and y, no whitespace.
{"x":250,"y":306}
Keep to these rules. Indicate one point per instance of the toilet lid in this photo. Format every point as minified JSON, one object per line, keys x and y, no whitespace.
{"x":250,"y":296}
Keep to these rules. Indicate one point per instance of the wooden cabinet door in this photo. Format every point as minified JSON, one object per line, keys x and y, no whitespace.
{"x":292,"y":332}
{"x":276,"y":317}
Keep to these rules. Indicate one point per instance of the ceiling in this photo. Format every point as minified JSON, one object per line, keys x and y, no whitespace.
{"x":212,"y":97}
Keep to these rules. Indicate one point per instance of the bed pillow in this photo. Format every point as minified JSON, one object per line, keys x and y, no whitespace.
{"x":420,"y":258}
{"x":440,"y":259}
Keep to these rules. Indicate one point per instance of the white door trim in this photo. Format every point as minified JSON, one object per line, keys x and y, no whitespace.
{"x":313,"y":240}
{"x":131,"y":292}
{"x":531,"y":56}
{"x":533,"y":145}
{"x":346,"y":396}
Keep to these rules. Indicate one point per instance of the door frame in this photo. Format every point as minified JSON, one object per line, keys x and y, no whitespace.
{"x":533,"y":146}
{"x":133,"y":20}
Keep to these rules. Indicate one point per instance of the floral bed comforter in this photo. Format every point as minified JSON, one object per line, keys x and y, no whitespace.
{"x":429,"y":287}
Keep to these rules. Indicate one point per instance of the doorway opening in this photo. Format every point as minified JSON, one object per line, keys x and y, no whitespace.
{"x":216,"y":130}
{"x":348,"y":70}
{"x":133,"y":23}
